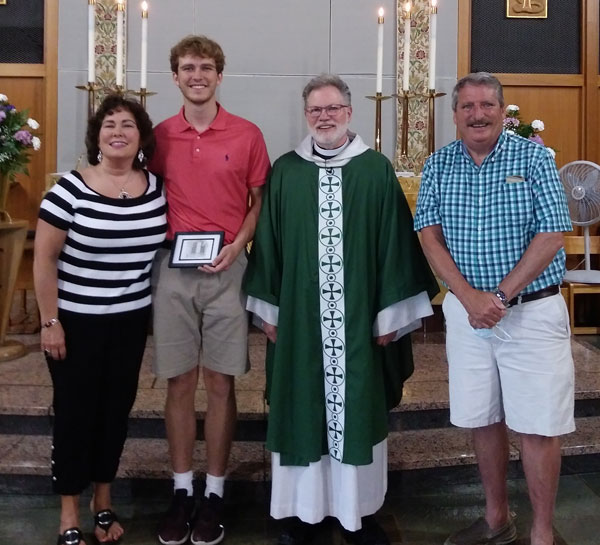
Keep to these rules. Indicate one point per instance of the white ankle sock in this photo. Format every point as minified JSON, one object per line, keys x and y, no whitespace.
{"x":184,"y":480}
{"x":214,"y":485}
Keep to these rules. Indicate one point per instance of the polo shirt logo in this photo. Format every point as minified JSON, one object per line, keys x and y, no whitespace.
{"x":226,"y":157}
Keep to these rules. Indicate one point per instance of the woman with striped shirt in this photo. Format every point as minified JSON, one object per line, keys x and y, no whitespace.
{"x":96,"y":237}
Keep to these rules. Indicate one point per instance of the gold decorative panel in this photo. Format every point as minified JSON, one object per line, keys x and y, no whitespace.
{"x":527,"y":9}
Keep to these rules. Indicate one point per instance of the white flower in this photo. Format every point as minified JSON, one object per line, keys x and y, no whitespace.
{"x":510,"y":131}
{"x":36,"y":143}
{"x":537,"y":125}
{"x":512,"y":108}
{"x":3,"y":98}
{"x":551,"y":152}
{"x":33,"y":123}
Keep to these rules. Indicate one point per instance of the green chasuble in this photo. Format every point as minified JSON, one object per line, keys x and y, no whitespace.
{"x":334,"y":246}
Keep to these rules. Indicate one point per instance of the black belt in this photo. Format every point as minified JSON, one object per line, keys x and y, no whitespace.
{"x":540,"y":294}
{"x":168,"y":244}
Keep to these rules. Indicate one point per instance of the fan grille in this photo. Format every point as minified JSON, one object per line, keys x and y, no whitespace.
{"x":581,"y":180}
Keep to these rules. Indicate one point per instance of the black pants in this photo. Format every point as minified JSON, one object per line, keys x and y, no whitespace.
{"x":94,"y":390}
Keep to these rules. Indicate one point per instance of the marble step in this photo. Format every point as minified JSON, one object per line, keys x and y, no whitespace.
{"x":26,"y":391}
{"x":29,"y":455}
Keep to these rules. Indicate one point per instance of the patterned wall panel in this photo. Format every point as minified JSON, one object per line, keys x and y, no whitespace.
{"x":419,"y":71}
{"x":106,"y":46}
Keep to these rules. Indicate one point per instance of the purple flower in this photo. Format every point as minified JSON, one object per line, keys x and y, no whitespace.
{"x":537,"y":139}
{"x":24,"y":137}
{"x":511,"y":121}
{"x":2,"y":115}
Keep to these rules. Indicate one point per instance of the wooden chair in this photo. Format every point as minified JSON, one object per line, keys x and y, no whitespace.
{"x":575,"y":245}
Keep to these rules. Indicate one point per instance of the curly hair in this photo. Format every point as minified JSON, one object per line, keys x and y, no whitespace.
{"x":110,"y":105}
{"x":199,"y":46}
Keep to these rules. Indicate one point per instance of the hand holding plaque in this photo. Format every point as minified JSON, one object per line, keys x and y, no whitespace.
{"x":195,"y":248}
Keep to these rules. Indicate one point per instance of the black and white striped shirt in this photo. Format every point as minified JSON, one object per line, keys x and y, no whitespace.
{"x":105,"y":264}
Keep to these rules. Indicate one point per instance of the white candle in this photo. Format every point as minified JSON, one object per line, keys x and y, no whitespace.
{"x":119,"y":64}
{"x":432,"y":42}
{"x":144,"y":56}
{"x":379,"y":81}
{"x":406,"y":72}
{"x":91,"y":41}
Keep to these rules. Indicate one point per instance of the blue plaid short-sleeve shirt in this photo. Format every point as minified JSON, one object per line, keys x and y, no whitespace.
{"x":489,"y":214}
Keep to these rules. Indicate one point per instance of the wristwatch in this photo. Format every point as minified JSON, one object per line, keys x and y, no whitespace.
{"x":502,"y":296}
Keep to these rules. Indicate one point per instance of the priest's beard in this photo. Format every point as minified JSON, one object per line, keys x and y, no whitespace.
{"x":331,"y":138}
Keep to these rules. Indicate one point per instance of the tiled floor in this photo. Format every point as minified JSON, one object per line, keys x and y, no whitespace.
{"x":415,"y":515}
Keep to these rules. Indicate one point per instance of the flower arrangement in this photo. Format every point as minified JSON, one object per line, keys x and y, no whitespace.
{"x":16,"y":139}
{"x":513,"y":124}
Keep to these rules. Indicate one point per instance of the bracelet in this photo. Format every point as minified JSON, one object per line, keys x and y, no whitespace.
{"x":50,"y":322}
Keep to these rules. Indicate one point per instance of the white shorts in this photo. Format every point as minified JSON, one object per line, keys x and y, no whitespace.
{"x":526,"y":379}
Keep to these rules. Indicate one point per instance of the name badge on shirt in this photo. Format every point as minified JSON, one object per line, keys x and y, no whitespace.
{"x":514,"y":179}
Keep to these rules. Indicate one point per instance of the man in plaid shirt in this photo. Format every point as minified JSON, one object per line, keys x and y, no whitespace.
{"x":491,"y":212}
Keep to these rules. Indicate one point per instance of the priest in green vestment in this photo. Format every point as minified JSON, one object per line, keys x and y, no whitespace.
{"x":337,"y":280}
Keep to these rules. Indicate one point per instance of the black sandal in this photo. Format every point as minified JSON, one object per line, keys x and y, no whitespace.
{"x":72,"y":536}
{"x":105,"y":519}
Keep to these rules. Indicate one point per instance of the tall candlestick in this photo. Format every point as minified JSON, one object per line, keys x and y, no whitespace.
{"x":432,"y":42}
{"x":379,"y":81}
{"x":91,"y":41}
{"x":119,"y":65}
{"x":144,"y":56}
{"x":406,"y":72}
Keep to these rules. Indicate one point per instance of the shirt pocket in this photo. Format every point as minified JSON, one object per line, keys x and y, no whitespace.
{"x":513,"y":203}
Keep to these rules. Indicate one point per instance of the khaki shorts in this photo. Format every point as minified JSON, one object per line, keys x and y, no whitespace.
{"x":199,"y":314}
{"x":527,"y":378}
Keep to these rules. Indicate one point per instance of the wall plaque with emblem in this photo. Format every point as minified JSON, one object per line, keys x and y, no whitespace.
{"x":527,"y":9}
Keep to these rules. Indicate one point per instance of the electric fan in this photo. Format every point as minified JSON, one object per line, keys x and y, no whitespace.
{"x":581,"y":180}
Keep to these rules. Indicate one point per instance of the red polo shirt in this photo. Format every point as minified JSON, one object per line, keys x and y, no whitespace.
{"x":208,"y":175}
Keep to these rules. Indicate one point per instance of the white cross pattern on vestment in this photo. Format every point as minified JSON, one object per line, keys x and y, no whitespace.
{"x":334,"y":375}
{"x":335,"y":430}
{"x":330,"y":236}
{"x":329,"y":184}
{"x":333,"y":319}
{"x":335,"y":403}
{"x":332,"y":291}
{"x":333,"y":348}
{"x":330,"y":209}
{"x":331,"y":263}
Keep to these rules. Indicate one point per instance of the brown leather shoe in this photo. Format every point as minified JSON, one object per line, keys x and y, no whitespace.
{"x":479,"y":533}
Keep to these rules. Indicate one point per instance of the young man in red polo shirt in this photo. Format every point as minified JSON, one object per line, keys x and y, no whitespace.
{"x":213,"y":164}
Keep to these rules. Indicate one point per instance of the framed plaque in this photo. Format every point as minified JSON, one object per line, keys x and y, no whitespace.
{"x":195,"y":248}
{"x":527,"y":9}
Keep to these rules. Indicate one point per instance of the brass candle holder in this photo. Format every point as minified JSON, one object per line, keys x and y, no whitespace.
{"x":404,"y":97}
{"x":431,"y":96}
{"x":143,"y":93}
{"x":378,"y":98}
{"x":91,"y":89}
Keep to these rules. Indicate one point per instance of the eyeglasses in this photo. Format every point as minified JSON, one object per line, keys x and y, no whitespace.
{"x":332,"y":110}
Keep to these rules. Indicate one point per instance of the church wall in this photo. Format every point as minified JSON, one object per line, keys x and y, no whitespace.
{"x":272,"y":48}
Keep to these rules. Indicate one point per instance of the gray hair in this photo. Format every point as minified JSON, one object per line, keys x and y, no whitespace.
{"x":478,"y":78}
{"x":328,"y":80}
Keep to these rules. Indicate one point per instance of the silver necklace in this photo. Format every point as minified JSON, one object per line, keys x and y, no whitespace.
{"x":123,"y":193}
